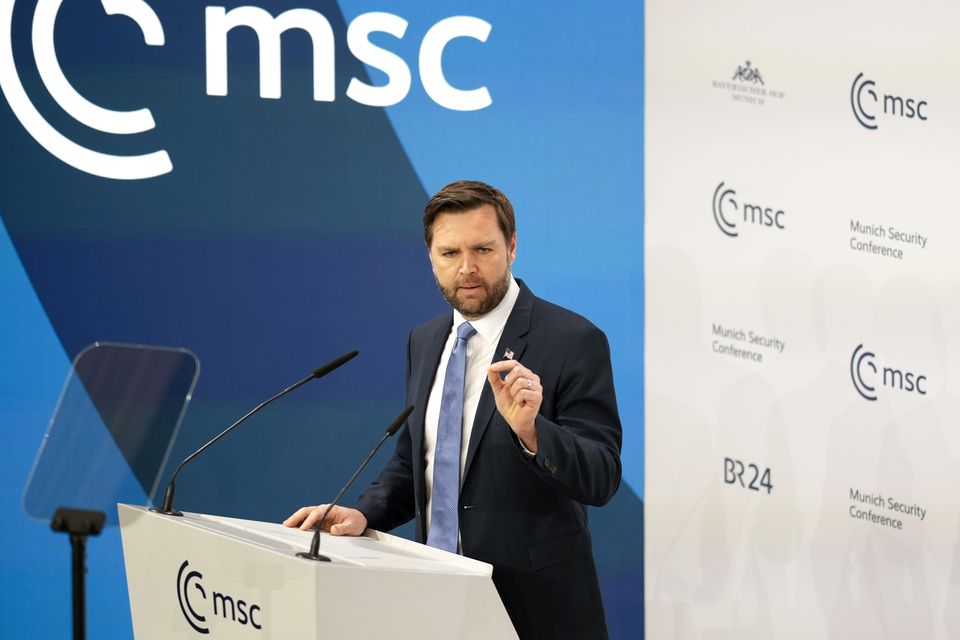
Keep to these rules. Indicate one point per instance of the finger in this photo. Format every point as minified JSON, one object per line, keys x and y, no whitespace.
{"x":529,"y":398}
{"x":311,"y":520}
{"x":352,"y":524}
{"x":345,"y":528}
{"x":503,"y":365}
{"x":526,"y":374}
{"x":297,"y":517}
{"x":500,"y":369}
{"x":493,"y":377}
{"x":518,"y":372}
{"x":523,"y":384}
{"x":308,"y":520}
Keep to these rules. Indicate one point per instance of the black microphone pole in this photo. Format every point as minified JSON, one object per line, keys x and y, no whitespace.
{"x":167,"y":508}
{"x":314,"y":554}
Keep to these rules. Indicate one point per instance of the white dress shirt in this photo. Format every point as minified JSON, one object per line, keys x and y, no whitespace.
{"x":480,"y":354}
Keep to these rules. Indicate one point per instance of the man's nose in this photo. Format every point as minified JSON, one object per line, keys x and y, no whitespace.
{"x":468,"y":264}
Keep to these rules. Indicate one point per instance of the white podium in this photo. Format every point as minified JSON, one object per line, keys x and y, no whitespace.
{"x":202,"y":576}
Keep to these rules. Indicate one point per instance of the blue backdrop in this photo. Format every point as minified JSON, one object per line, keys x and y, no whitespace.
{"x":288,"y":232}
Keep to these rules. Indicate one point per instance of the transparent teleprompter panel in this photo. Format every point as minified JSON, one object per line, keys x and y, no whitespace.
{"x":112,"y":430}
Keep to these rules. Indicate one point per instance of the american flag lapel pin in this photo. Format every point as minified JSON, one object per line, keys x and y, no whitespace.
{"x":508,"y":354}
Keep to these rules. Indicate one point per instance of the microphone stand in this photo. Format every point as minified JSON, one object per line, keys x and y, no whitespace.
{"x":314,"y":553}
{"x":167,"y":508}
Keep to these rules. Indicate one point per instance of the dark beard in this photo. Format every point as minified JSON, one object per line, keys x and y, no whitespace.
{"x":479,"y":308}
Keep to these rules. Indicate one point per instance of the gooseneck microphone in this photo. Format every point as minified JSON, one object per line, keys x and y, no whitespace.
{"x":167,"y":508}
{"x":314,"y":554}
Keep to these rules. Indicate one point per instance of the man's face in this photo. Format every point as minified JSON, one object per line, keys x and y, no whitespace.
{"x":471,"y":260}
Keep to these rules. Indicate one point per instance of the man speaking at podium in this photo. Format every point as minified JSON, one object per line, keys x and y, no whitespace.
{"x":515,"y":429}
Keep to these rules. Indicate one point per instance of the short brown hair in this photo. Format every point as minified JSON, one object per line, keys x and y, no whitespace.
{"x":467,"y":195}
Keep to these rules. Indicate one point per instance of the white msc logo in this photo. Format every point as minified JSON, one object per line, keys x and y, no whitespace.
{"x":219,"y":22}
{"x":95,"y":117}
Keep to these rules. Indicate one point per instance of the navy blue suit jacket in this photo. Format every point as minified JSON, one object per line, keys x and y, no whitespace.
{"x":528,"y":518}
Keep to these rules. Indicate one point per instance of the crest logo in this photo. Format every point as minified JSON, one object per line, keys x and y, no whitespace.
{"x":746,"y":73}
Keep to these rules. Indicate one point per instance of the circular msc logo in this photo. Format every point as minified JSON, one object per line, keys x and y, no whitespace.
{"x":96,"y":117}
{"x":721,"y":195}
{"x":860,"y":358}
{"x":856,"y":100}
{"x":749,"y":212}
{"x":183,"y":595}
{"x":868,"y":103}
{"x":225,"y":607}
{"x":869,"y":376}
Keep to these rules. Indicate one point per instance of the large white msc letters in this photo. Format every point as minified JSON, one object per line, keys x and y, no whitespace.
{"x":268,"y":28}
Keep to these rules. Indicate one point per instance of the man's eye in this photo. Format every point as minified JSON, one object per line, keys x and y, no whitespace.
{"x":449,"y":254}
{"x":483,"y":250}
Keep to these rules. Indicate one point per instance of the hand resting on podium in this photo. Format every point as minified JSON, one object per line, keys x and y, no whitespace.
{"x":342,"y":521}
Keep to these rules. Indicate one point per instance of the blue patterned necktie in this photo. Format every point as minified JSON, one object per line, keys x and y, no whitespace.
{"x":444,"y":516}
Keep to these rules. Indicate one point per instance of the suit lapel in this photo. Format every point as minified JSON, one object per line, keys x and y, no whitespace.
{"x":513,"y":339}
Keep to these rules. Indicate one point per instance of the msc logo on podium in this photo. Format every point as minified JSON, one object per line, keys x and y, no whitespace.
{"x":196,"y":604}
{"x":867,"y":376}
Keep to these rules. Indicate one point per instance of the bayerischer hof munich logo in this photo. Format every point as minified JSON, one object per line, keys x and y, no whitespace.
{"x":747,"y":85}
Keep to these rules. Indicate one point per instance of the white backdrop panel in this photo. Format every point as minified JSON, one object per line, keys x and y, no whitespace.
{"x":803,"y":316}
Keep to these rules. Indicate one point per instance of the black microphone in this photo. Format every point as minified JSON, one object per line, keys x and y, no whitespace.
{"x":314,"y":554}
{"x":167,"y":508}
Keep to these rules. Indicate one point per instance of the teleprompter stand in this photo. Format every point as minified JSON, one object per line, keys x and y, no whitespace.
{"x":79,"y":524}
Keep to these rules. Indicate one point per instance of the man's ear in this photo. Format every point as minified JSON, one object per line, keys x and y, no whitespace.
{"x":512,"y":249}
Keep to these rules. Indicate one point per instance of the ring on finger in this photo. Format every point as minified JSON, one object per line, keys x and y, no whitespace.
{"x":529,"y":383}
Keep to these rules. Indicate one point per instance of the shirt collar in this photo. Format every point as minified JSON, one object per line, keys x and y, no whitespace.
{"x":490,"y":326}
